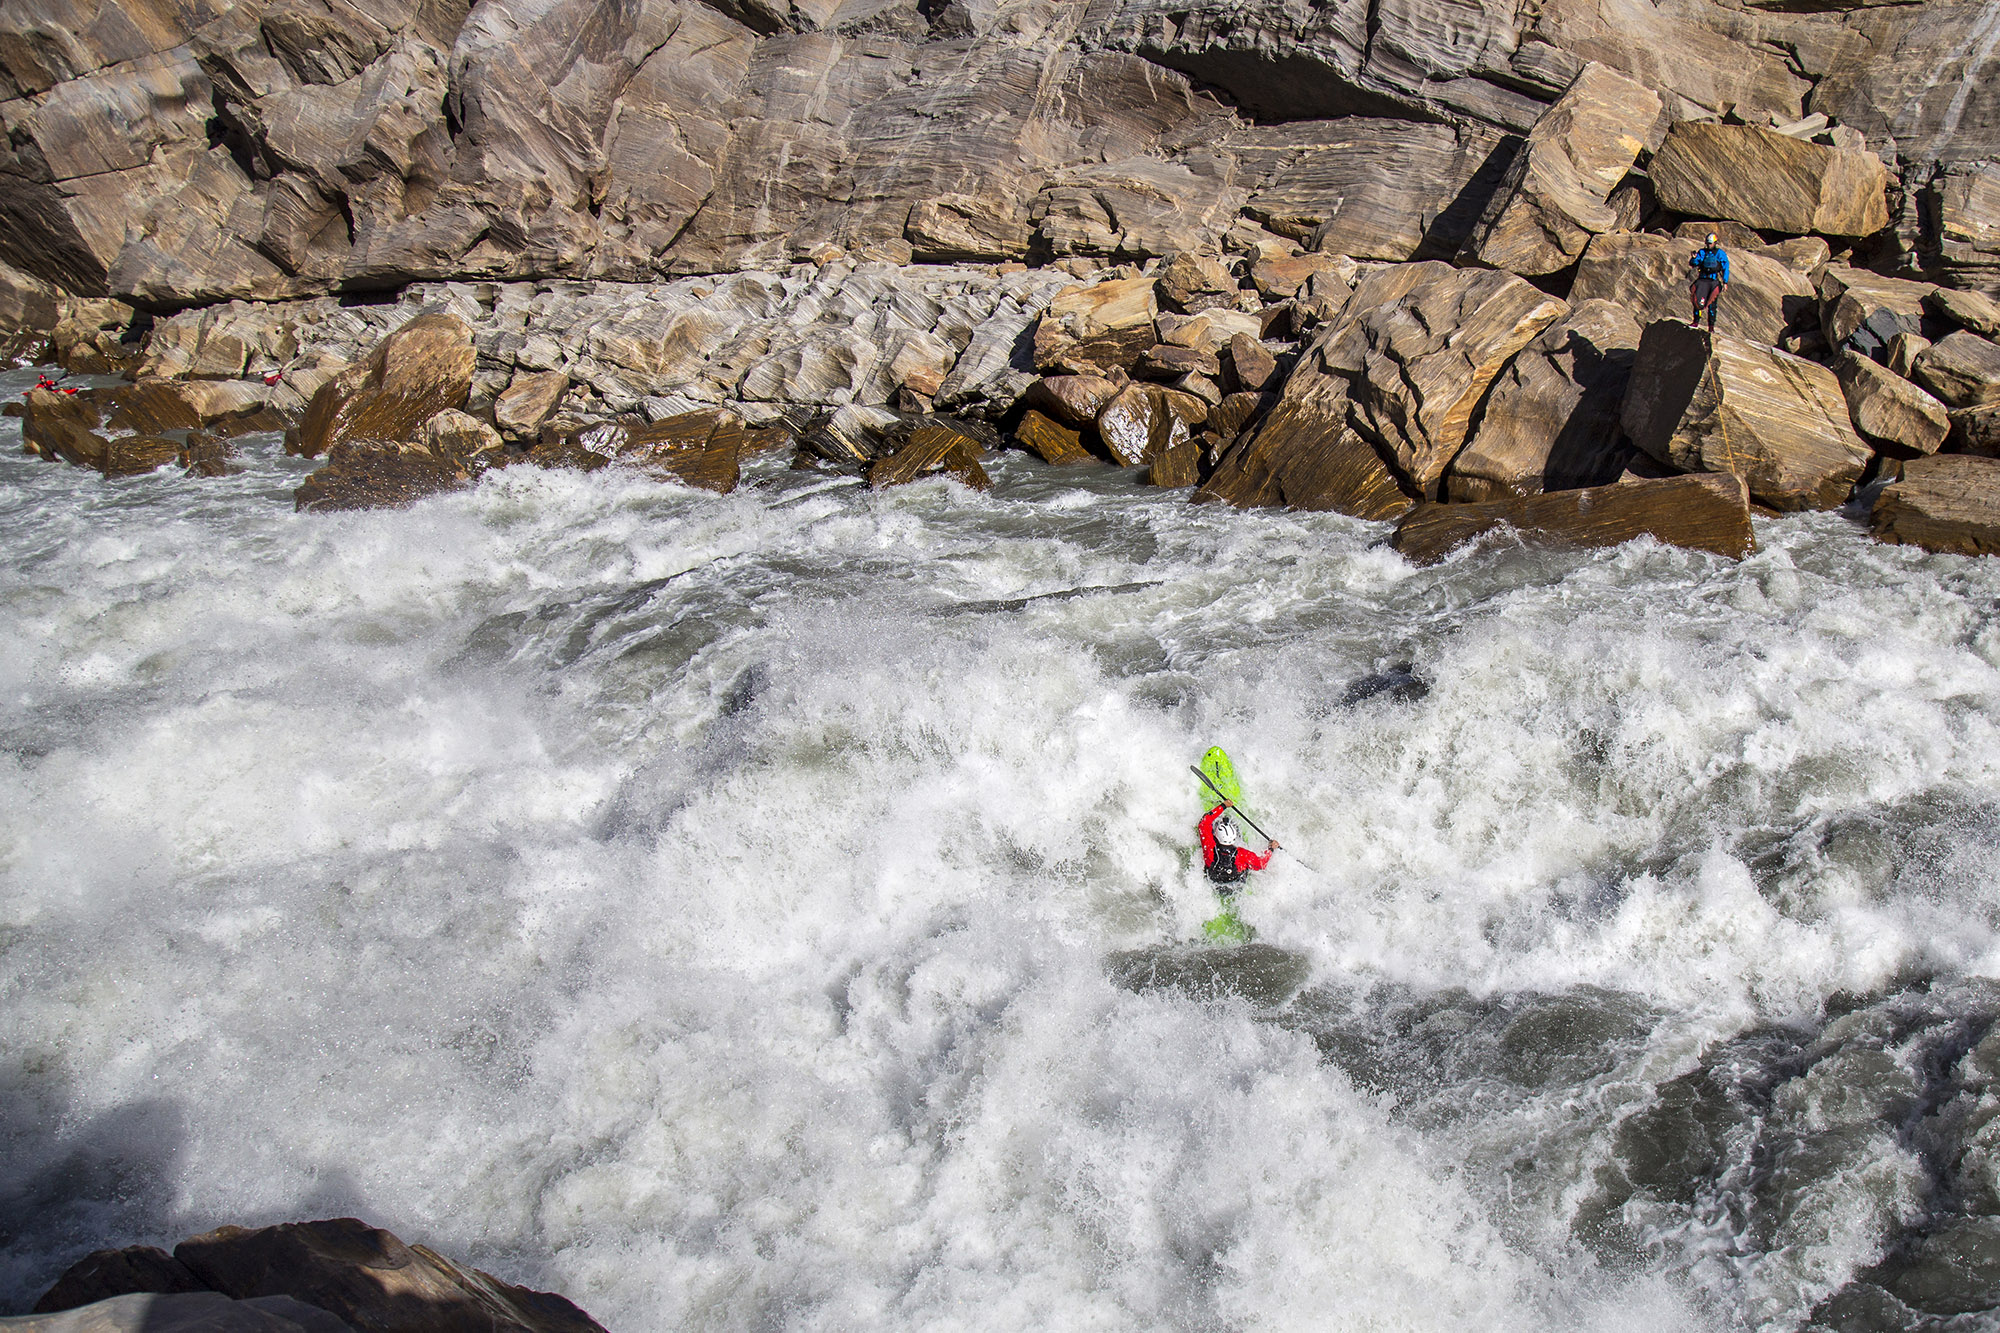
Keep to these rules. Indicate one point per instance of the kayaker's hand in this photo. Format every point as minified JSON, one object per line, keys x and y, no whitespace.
{"x":1273,"y":847}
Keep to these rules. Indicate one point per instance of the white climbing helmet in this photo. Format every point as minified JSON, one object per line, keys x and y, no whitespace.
{"x":1711,"y":238}
{"x":1225,"y":832}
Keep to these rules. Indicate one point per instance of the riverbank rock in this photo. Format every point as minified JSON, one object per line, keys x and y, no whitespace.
{"x":1305,"y":455}
{"x":1074,"y":400}
{"x":1419,"y":344}
{"x":932,"y":448}
{"x":375,"y":474}
{"x":1890,"y":412}
{"x":413,"y":374}
{"x":1144,"y":421}
{"x":1711,"y":403}
{"x":1962,"y":369}
{"x":1551,"y":420}
{"x":1051,"y":441}
{"x":1648,"y":276}
{"x":1099,"y":327}
{"x":1553,"y":199}
{"x":1864,"y":311}
{"x":355,"y":1274}
{"x":1948,"y":503}
{"x":1975,"y":312}
{"x":1704,"y":513}
{"x":1770,"y":181}
{"x":522,"y":407}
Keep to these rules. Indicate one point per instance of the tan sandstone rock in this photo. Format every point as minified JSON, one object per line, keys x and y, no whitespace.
{"x":1420,"y":344}
{"x":1305,"y":454}
{"x":1051,"y":441}
{"x":1146,"y":420}
{"x":1553,"y":199}
{"x":413,"y":374}
{"x":1704,"y":513}
{"x":1863,"y":311}
{"x":1105,"y":325}
{"x":1551,"y":420}
{"x":1649,"y":277}
{"x":1771,"y":181}
{"x":1948,"y":502}
{"x":531,"y":399}
{"x":1711,"y":403}
{"x":1890,"y":412}
{"x":1962,"y":369}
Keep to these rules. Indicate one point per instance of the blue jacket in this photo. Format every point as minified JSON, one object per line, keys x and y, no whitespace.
{"x":1711,"y":261}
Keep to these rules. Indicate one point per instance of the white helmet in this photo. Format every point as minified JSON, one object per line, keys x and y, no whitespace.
{"x":1711,"y":238}
{"x":1225,"y":832}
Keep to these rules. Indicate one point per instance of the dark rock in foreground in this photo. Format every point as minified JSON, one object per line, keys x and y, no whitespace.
{"x":1704,"y":513}
{"x":346,"y":1272}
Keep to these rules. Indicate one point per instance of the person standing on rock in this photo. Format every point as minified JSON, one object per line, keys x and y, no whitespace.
{"x":1711,"y":280}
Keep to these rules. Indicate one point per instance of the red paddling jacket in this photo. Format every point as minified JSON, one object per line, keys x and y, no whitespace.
{"x":1226,"y":869}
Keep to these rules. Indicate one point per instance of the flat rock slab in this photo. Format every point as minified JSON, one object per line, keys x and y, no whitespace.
{"x":1770,"y":181}
{"x":1553,"y":199}
{"x":1948,"y":502}
{"x":1098,"y":327}
{"x":931,"y":449}
{"x":1419,"y":344}
{"x":1649,"y":277}
{"x":1551,"y":420}
{"x":1710,"y":403}
{"x":1704,"y":513}
{"x":1051,"y":441}
{"x":1975,"y":311}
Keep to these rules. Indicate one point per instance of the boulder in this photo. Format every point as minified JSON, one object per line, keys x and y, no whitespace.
{"x":1974,"y":311}
{"x":1145,"y":420}
{"x":1553,"y":199}
{"x":1210,"y":330}
{"x":29,"y":309}
{"x":1863,"y":311}
{"x":1704,"y":513}
{"x":1770,"y":181}
{"x":372,"y":1280}
{"x":1251,"y":364}
{"x":1098,"y":327}
{"x":529,"y":401}
{"x":1074,"y":400}
{"x":374,"y":474}
{"x":1051,"y":441}
{"x":955,"y":227}
{"x":1903,"y":351}
{"x":1962,"y":369}
{"x":203,"y":455}
{"x":1711,"y":403}
{"x":136,"y":455}
{"x":1179,"y":465}
{"x":1305,"y":454}
{"x":1975,"y":430}
{"x":61,"y":425}
{"x":1190,"y":283}
{"x":413,"y":374}
{"x":147,"y":407}
{"x":1964,"y":243}
{"x":1649,"y":277}
{"x":1420,"y":344}
{"x":454,"y":434}
{"x":935,"y":447}
{"x":703,"y":448}
{"x":1277,"y":277}
{"x":191,"y":1312}
{"x":1168,"y":362}
{"x":1947,"y":502}
{"x":103,"y":1274}
{"x":1552,"y":417}
{"x":1891,"y":413}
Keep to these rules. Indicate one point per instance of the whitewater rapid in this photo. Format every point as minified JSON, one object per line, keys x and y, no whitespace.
{"x":701,"y":905}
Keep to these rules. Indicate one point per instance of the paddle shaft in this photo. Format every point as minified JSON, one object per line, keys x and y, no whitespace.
{"x":1226,"y":801}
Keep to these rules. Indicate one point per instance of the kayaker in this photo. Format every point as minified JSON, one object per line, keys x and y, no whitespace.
{"x":1226,"y":860}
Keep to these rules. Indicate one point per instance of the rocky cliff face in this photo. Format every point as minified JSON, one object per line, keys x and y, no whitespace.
{"x":831,"y":220}
{"x":182,"y":152}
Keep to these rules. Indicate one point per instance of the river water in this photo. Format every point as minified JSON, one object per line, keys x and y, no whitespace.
{"x":763,"y":911}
